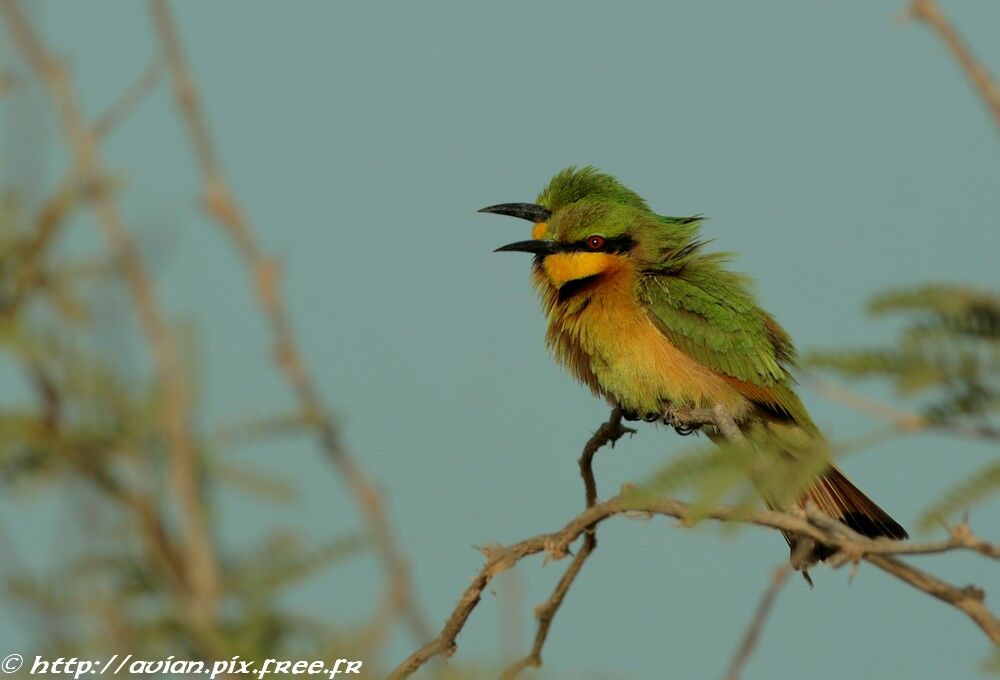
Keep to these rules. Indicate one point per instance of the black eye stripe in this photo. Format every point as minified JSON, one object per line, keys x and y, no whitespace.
{"x":616,"y":244}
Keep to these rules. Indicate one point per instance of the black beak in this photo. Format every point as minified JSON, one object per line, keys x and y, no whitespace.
{"x":526,"y":211}
{"x":536,"y":247}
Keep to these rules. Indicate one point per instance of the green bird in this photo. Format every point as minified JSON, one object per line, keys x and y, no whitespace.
{"x":639,"y":312}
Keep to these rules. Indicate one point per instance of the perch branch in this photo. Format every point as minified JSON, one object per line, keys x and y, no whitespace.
{"x":608,"y":433}
{"x":807,"y":524}
{"x":556,"y":545}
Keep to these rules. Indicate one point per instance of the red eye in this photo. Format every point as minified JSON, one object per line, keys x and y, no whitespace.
{"x":595,"y":242}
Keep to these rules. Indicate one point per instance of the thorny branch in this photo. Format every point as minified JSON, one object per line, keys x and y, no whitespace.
{"x":928,"y":12}
{"x":201,"y":572}
{"x":608,"y":433}
{"x":220,"y":204}
{"x":808,"y":523}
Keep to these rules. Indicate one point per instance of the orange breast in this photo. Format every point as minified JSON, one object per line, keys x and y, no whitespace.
{"x":608,"y":341}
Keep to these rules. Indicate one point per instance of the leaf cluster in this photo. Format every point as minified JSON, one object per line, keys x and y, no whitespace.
{"x":947,"y":356}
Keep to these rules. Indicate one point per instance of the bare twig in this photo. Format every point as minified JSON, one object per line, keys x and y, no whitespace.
{"x":960,"y":537}
{"x":72,"y":188}
{"x":928,"y":12}
{"x":201,"y":569}
{"x":221,"y":206}
{"x":135,"y":93}
{"x":808,"y":523}
{"x":608,"y":433}
{"x":968,"y":599}
{"x":895,"y":416}
{"x":556,"y":545}
{"x":752,"y":635}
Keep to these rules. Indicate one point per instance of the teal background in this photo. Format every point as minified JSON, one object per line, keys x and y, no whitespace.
{"x":836,"y":149}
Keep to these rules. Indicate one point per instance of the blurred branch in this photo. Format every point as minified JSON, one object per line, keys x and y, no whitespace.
{"x":120,"y":110}
{"x":201,"y":569}
{"x":8,"y":81}
{"x":752,"y":635}
{"x":221,"y":206}
{"x":928,"y":12}
{"x":900,"y":419}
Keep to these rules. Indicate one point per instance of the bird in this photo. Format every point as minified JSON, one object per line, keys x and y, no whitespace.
{"x":639,"y":311}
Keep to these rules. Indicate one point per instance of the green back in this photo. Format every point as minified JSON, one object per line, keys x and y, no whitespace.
{"x":706,"y":311}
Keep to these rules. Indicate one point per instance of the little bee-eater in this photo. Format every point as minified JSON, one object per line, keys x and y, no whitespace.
{"x":641,"y":314}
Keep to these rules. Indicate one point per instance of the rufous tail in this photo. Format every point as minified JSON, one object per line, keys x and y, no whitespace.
{"x":836,"y":496}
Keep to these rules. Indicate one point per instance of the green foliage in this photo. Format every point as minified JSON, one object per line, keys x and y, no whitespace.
{"x":950,"y":344}
{"x":976,"y":488}
{"x":740,"y":474}
{"x":948,"y":355}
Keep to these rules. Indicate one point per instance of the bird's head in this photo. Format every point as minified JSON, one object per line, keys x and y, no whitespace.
{"x":586,"y":223}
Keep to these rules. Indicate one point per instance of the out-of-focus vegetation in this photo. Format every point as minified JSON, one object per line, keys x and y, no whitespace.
{"x":95,"y":421}
{"x":90,"y":419}
{"x":946,"y":359}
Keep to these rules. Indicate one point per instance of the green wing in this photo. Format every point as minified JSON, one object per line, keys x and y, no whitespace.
{"x":710,"y":314}
{"x":712,"y":317}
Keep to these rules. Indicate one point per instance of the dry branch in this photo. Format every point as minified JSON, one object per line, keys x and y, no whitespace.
{"x":805,"y":523}
{"x":135,"y":93}
{"x":928,"y":12}
{"x":752,"y":634}
{"x":608,"y":433}
{"x":200,"y":567}
{"x":745,"y":650}
{"x":220,"y":204}
{"x":556,"y":545}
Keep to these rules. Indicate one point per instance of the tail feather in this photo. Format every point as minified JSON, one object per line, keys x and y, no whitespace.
{"x":837,"y":497}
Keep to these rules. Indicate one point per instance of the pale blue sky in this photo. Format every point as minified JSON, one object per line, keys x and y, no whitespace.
{"x":837,"y":150}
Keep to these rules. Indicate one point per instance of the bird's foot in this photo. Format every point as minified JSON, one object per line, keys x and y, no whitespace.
{"x":634,"y":415}
{"x":670,"y":417}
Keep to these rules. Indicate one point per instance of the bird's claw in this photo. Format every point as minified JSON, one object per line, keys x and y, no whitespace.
{"x":633,"y":415}
{"x":671,"y":418}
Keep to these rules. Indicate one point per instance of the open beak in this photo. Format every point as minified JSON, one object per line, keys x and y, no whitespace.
{"x":536,"y":247}
{"x":526,"y":211}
